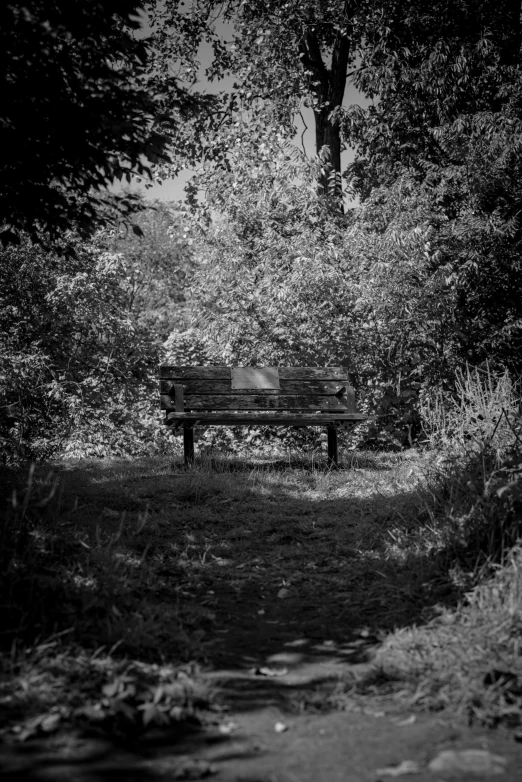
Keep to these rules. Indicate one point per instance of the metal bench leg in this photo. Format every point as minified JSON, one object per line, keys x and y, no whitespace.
{"x":332,"y":446}
{"x":188,"y":444}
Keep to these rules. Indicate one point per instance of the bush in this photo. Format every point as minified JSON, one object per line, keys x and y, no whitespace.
{"x":286,"y":278}
{"x":482,"y":414}
{"x":70,"y":352}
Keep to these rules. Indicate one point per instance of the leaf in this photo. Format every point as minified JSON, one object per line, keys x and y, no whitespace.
{"x":271,"y":672}
{"x":406,"y":767}
{"x":408,"y":721}
{"x":151,"y":713}
{"x":50,"y":722}
{"x":111,"y":689}
{"x":472,"y":761}
{"x":137,"y":230}
{"x":226,"y":728}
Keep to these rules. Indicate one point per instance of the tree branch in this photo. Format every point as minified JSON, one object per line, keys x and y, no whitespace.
{"x":304,"y":131}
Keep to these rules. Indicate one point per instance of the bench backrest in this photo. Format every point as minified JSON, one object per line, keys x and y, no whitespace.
{"x":256,"y":388}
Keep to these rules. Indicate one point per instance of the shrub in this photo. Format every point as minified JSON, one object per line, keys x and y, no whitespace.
{"x":482,"y":414}
{"x":69,"y":348}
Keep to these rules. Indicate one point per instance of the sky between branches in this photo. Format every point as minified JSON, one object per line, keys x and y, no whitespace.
{"x":172,"y":189}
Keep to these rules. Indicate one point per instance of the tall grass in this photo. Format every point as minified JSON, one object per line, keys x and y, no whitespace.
{"x":122,"y":567}
{"x":476,"y":459}
{"x":483,"y":414}
{"x":469,"y":658}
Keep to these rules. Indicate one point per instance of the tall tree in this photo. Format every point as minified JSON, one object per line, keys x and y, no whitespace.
{"x":282,"y":55}
{"x":78,"y":111}
{"x":449,"y":118}
{"x":428,"y":65}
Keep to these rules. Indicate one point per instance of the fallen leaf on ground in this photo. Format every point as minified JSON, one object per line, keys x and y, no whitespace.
{"x":265,"y":671}
{"x":474,"y":761}
{"x":50,"y":722}
{"x":226,"y":728}
{"x":372,"y":713}
{"x":406,"y":767}
{"x":408,"y":721}
{"x":45,"y":723}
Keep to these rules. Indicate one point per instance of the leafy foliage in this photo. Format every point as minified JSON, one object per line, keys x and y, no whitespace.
{"x":81,"y":337}
{"x":448,"y":118}
{"x":78,"y":112}
{"x":423,"y":278}
{"x":265,"y":268}
{"x":158,"y":263}
{"x":287,"y":279}
{"x":282,"y":56}
{"x":69,"y":349}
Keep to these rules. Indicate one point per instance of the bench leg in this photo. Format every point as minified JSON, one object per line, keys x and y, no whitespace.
{"x":332,"y":446}
{"x":188,"y":444}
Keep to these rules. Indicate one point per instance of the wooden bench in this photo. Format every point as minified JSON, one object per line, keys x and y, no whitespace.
{"x":234,"y":396}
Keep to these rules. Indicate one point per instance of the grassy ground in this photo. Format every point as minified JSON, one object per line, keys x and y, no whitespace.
{"x":122,"y":579}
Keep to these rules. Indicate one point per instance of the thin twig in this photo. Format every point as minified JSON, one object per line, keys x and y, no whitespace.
{"x":304,"y":131}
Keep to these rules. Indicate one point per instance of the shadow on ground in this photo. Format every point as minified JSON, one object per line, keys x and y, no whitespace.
{"x":288,"y":577}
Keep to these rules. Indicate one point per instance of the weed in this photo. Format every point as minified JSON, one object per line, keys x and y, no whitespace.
{"x":232,"y":558}
{"x":481,"y":416}
{"x":469,"y":658}
{"x":53,"y":685}
{"x":469,"y":509}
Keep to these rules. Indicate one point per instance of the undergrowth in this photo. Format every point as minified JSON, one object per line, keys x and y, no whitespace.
{"x":468,"y":657}
{"x":119,"y":578}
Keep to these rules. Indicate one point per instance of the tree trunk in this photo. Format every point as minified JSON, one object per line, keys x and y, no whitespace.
{"x":327,"y":134}
{"x":512,"y":33}
{"x":327,"y":85}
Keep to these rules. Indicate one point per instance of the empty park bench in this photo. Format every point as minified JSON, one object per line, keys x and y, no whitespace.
{"x":236,"y":396}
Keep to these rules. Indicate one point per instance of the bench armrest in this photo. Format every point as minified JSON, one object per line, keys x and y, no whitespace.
{"x":174,"y":400}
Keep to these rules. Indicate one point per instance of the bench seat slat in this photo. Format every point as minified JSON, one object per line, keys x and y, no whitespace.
{"x":259,"y":402}
{"x":288,"y":387}
{"x":180,"y":374}
{"x":262,"y":418}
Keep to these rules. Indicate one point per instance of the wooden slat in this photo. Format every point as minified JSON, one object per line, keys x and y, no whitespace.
{"x":265,"y":418}
{"x":260,"y":402}
{"x":180,"y":374}
{"x":288,"y":387}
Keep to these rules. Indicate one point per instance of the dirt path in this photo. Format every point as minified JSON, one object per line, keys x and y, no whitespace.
{"x":290,"y":582}
{"x":271,"y":733}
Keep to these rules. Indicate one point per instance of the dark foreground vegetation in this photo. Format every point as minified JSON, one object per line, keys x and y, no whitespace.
{"x":126,"y":578}
{"x":120,"y":576}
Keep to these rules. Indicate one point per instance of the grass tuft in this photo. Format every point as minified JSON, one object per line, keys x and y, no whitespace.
{"x":467,"y":659}
{"x":119,"y":574}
